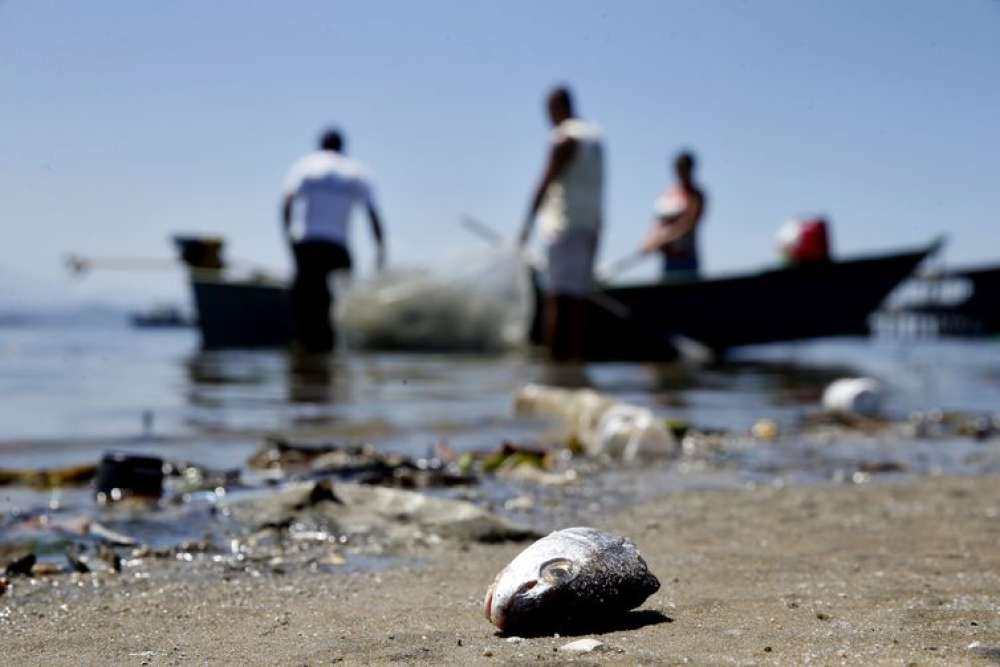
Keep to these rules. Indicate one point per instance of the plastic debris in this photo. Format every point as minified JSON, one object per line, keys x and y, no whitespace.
{"x":600,"y":424}
{"x":588,"y":645}
{"x":860,"y":396}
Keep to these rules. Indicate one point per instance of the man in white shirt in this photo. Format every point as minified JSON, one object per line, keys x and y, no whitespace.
{"x":321,"y":191}
{"x":569,"y":205}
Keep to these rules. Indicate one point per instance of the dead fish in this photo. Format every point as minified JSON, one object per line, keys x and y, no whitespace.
{"x":570,"y":577}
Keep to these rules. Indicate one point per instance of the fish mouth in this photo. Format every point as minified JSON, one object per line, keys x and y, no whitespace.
{"x":489,"y":604}
{"x":498,"y":615}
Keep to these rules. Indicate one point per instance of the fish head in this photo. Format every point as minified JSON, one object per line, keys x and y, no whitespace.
{"x":527,"y":585}
{"x":567,"y":575}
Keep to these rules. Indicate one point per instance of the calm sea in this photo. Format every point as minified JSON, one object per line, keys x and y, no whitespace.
{"x":73,"y":392}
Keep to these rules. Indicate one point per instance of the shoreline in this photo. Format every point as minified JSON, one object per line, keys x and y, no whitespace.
{"x":890,"y":572}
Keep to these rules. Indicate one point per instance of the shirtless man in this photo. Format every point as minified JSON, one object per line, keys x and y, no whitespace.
{"x":568,"y":202}
{"x":675,"y":229}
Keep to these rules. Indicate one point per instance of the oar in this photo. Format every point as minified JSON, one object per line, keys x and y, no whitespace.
{"x":623,"y":264}
{"x":79,"y":265}
{"x":482,"y":230}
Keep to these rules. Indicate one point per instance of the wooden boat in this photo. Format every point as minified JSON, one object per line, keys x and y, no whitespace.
{"x":629,"y":322}
{"x":976,"y":312}
{"x":836,"y":298}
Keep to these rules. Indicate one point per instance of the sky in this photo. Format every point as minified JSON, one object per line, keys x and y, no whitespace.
{"x":125,"y":122}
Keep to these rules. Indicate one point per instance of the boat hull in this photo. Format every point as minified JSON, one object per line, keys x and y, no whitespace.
{"x":241,"y":314}
{"x":976,"y":315}
{"x":783,"y":304}
{"x":637,"y":322}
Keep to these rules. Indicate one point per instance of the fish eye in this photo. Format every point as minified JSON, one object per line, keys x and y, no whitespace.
{"x":557,"y":571}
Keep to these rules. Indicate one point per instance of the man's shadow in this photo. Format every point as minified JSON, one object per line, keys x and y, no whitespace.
{"x":632,"y":620}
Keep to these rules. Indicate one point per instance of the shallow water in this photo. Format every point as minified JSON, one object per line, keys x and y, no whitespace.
{"x":72,"y":393}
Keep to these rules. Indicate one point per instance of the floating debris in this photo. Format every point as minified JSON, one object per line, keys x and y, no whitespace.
{"x":572,"y":577}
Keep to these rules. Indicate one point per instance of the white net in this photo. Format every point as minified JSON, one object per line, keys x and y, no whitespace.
{"x":478,"y":302}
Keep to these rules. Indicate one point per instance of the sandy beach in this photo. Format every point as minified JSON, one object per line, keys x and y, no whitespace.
{"x":905,"y":573}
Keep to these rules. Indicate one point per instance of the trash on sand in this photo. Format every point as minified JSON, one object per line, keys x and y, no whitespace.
{"x":511,"y":454}
{"x":397,"y":515}
{"x":105,"y":534}
{"x":861,"y":396}
{"x":21,"y":566}
{"x":45,"y":569}
{"x":359,"y":463}
{"x":765,"y":429}
{"x":579,"y":409}
{"x":598,"y":423}
{"x":76,"y":563}
{"x":278,"y":452}
{"x":629,"y":432}
{"x":588,"y":645}
{"x":572,"y":577}
{"x":121,"y":475}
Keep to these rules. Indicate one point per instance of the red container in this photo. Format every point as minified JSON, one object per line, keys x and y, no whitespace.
{"x":812,"y":244}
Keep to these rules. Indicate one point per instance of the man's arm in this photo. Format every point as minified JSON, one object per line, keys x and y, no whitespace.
{"x":376,"y":222}
{"x":678,"y":228}
{"x":286,"y":215}
{"x":560,"y":156}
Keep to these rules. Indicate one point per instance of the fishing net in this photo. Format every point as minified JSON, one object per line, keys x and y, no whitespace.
{"x":478,"y":302}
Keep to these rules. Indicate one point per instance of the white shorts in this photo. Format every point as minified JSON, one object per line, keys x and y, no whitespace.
{"x":571,"y":263}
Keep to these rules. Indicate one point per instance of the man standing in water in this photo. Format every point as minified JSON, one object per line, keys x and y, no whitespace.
{"x":321,"y":190}
{"x":569,"y":204}
{"x":674,"y":231}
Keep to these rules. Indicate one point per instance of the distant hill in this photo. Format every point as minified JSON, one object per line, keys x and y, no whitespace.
{"x":30,"y":302}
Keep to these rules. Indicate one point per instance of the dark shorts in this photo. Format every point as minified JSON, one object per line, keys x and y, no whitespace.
{"x":680,"y":265}
{"x":311,"y":297}
{"x":315,"y":257}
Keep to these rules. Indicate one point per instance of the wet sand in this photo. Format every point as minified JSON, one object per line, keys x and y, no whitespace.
{"x":888,"y":573}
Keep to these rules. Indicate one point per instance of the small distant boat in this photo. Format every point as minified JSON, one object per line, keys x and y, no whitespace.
{"x":630,"y":322}
{"x":960,"y":302}
{"x":161,"y":316}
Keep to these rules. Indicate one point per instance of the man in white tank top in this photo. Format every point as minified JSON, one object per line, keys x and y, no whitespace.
{"x":569,"y":205}
{"x":321,"y":191}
